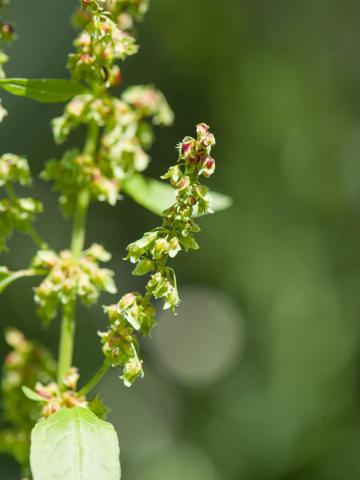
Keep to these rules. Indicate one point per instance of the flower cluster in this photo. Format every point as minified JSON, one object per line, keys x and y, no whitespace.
{"x":69,"y":277}
{"x":76,"y":172}
{"x":119,"y":342}
{"x":26,"y":364}
{"x":99,"y":46}
{"x":53,"y":398}
{"x":128,"y":134}
{"x":15,"y":213}
{"x":122,"y":151}
{"x":135,"y":313}
{"x":14,"y":169}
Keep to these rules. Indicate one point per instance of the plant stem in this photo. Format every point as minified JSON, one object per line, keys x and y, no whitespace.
{"x":95,"y":379}
{"x":66,"y":346}
{"x":66,"y":340}
{"x":31,"y":231}
{"x":78,"y":236}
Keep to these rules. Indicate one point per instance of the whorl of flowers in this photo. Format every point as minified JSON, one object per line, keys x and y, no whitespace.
{"x":69,"y":277}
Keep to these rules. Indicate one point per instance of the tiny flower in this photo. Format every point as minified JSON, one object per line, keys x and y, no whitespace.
{"x":183,"y":184}
{"x":201,"y":130}
{"x":71,"y":378}
{"x":127,"y":300}
{"x":174,"y":247}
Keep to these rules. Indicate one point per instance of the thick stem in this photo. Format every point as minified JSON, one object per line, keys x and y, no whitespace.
{"x":95,"y":379}
{"x":66,"y":346}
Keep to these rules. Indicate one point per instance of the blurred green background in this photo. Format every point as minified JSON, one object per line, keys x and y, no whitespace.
{"x":257,"y":378}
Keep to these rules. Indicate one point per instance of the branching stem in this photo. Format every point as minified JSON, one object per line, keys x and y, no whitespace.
{"x":67,"y":334}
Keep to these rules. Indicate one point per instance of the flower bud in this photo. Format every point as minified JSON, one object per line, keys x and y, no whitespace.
{"x":71,"y":378}
{"x":209,"y":140}
{"x":161,"y":247}
{"x":127,"y":300}
{"x":186,"y":147}
{"x":208,"y":167}
{"x":183,"y":184}
{"x":174,"y":247}
{"x":201,"y":130}
{"x":112,"y":312}
{"x":115,"y":76}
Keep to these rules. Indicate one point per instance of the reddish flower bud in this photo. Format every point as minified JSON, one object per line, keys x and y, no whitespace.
{"x":183,"y":183}
{"x":127,"y":300}
{"x":186,"y":147}
{"x":202,"y":129}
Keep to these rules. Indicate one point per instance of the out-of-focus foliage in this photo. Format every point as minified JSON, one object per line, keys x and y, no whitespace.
{"x":264,"y":384}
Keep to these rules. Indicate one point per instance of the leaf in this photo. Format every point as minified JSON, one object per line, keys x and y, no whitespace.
{"x":74,"y":444}
{"x":46,"y":90}
{"x":157,"y":196}
{"x":98,"y":407}
{"x":31,"y":395}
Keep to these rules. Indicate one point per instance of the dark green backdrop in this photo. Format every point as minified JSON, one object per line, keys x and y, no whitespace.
{"x":257,"y":378}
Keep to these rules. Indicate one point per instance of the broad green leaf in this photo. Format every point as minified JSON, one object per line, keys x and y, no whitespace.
{"x":157,"y":196}
{"x":46,"y":90}
{"x":31,"y":395}
{"x":74,"y":444}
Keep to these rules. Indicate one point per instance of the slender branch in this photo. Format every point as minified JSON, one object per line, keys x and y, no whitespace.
{"x":32,"y":232}
{"x":13,"y":276}
{"x":66,"y":346}
{"x":95,"y":379}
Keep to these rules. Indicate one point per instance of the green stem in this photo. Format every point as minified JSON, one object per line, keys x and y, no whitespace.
{"x":66,"y":340}
{"x":66,"y":346}
{"x":13,"y":276}
{"x":95,"y":379}
{"x":78,"y":236}
{"x":31,"y":231}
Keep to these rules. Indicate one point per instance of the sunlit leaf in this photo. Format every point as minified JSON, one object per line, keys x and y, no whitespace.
{"x":157,"y":196}
{"x":46,"y":90}
{"x":31,"y":395}
{"x":74,"y":444}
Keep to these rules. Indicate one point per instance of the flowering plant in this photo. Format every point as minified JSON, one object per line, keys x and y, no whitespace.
{"x":120,"y":132}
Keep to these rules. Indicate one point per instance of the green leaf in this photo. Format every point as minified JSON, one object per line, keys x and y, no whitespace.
{"x":98,"y":407}
{"x":31,"y":395}
{"x":157,"y":196}
{"x":74,"y":444}
{"x":46,"y":90}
